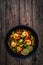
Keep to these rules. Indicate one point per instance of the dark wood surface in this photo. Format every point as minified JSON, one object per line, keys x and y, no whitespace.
{"x":21,"y":12}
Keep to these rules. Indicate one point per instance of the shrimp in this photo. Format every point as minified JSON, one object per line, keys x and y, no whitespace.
{"x":19,"y":49}
{"x":25,"y":33}
{"x":18,"y":31}
{"x":13,"y":44}
{"x":15,"y":36}
{"x":28,"y":42}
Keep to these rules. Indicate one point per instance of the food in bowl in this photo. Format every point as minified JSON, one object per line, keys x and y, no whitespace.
{"x":21,"y":41}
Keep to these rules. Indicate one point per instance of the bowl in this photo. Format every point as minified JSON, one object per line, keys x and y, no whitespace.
{"x":21,"y":56}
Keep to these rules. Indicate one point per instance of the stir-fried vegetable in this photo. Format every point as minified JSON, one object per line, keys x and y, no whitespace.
{"x":30,"y":48}
{"x":13,"y":32}
{"x":32,"y":37}
{"x":25,"y":51}
{"x":32,"y":40}
{"x":15,"y":49}
{"x":21,"y":42}
{"x":24,"y":45}
{"x":33,"y":43}
{"x":22,"y":36}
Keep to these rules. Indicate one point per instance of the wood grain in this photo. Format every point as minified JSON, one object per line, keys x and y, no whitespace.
{"x":21,"y":12}
{"x":26,"y":19}
{"x":25,"y":12}
{"x":12,"y":20}
{"x":3,"y":33}
{"x":37,"y":26}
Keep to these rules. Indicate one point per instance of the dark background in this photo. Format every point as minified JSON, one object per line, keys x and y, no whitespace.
{"x":21,"y":12}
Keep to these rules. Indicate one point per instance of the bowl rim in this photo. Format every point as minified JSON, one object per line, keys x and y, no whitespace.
{"x":21,"y":27}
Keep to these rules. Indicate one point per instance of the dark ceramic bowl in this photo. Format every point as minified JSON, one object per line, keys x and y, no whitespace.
{"x":21,"y":56}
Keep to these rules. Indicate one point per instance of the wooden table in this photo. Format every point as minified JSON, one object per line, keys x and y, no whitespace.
{"x":21,"y":12}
